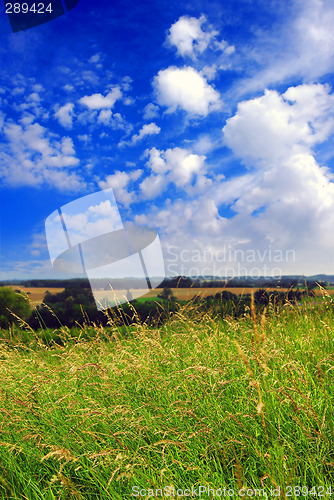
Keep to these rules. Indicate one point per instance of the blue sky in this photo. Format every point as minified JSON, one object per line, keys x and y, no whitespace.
{"x":211,"y":121}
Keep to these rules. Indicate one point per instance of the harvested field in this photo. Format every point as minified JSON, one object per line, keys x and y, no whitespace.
{"x":36,"y":294}
{"x":189,"y":293}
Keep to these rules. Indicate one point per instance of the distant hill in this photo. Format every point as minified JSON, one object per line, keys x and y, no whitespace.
{"x":181,"y":282}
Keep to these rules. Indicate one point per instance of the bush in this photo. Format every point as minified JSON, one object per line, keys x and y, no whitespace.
{"x":12,"y":302}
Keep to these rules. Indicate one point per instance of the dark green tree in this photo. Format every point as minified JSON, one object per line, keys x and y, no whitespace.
{"x":12,"y":302}
{"x":167,"y":294}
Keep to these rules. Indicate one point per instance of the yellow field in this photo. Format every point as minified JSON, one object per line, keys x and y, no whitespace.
{"x":36,"y":294}
{"x":189,"y":293}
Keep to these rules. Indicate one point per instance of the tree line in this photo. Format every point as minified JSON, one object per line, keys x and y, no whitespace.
{"x":76,"y":306}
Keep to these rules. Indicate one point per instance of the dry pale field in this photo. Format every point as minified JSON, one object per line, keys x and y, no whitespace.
{"x":36,"y":294}
{"x":188,"y":293}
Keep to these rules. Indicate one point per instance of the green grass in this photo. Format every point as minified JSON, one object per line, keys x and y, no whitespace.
{"x":142,"y":300}
{"x":197,"y":402}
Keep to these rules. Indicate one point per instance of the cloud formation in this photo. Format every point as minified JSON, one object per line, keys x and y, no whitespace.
{"x":191,"y":40}
{"x":98,"y":101}
{"x":31,"y":156}
{"x":188,"y":37}
{"x":274,"y":126}
{"x":151,"y":111}
{"x":120,"y":182}
{"x":178,"y":166}
{"x":187,"y":89}
{"x":147,"y":129}
{"x":301,"y":47}
{"x":284,"y":203}
{"x":65,"y":115}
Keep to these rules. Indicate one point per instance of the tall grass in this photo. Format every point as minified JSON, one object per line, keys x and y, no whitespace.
{"x":199,"y":401}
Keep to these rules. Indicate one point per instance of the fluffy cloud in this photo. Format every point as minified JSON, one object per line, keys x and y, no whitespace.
{"x":65,"y":115}
{"x":105,"y":116}
{"x":147,"y":129}
{"x":204,"y":144}
{"x":101,"y":218}
{"x":98,"y":101}
{"x":31,"y":103}
{"x":31,"y":156}
{"x":18,"y":91}
{"x":68,"y":88}
{"x":289,"y":198}
{"x":188,"y":36}
{"x":279,"y":214}
{"x":151,"y":111}
{"x":278,"y":126}
{"x":178,"y":166}
{"x":183,"y":165}
{"x":114,"y":120}
{"x":191,"y":40}
{"x":186,"y":89}
{"x":199,"y":227}
{"x":119,"y":182}
{"x":94,"y":59}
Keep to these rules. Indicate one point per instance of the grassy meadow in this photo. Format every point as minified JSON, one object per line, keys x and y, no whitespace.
{"x":199,"y":401}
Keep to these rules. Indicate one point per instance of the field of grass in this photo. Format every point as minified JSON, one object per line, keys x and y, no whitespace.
{"x":197,"y":402}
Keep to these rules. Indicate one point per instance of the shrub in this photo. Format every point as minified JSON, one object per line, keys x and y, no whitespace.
{"x":12,"y":303}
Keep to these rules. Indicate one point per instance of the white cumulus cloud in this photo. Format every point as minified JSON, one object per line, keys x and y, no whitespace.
{"x":98,"y":101}
{"x":277,"y":126}
{"x":151,"y":111}
{"x":147,"y":129}
{"x":105,"y":116}
{"x":280,"y":213}
{"x":119,"y":182}
{"x":289,"y":197}
{"x":178,"y":166}
{"x":65,"y":115}
{"x":31,"y":156}
{"x":187,"y":89}
{"x":188,"y":37}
